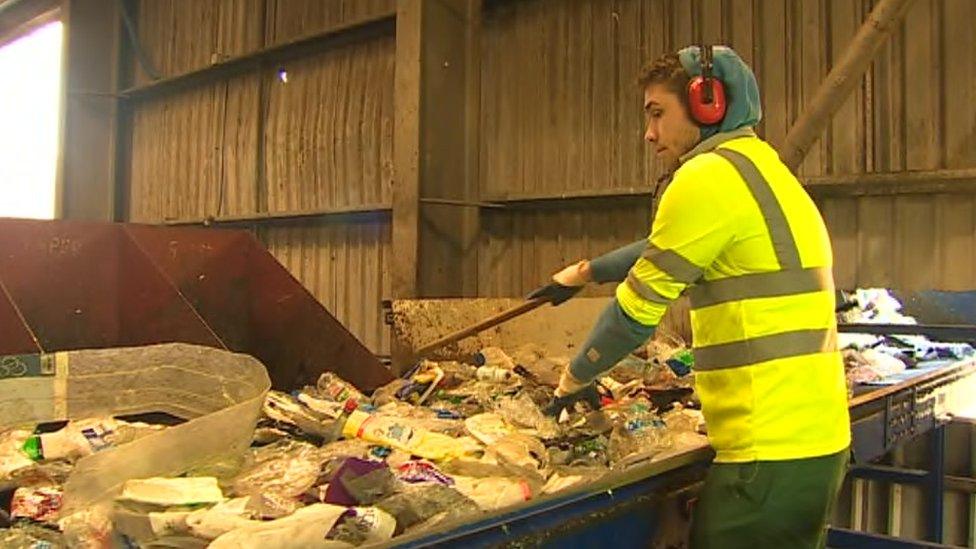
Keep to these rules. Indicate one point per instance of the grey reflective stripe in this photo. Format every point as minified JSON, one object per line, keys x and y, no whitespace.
{"x":644,"y":290}
{"x":711,"y":143}
{"x":779,"y":230}
{"x":757,"y":285}
{"x":764,"y":348}
{"x":673,"y":264}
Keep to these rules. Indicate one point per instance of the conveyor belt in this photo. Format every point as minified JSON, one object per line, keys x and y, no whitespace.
{"x":912,"y":403}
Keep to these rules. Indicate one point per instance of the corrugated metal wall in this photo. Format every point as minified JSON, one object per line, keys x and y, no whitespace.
{"x":255,"y":144}
{"x":195,"y":154}
{"x":329,"y":134}
{"x":344,"y":263}
{"x":559,"y":114}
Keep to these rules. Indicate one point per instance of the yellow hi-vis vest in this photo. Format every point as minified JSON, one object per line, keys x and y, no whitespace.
{"x":738,"y":231}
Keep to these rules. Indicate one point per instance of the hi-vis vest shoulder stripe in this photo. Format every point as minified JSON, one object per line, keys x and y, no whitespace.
{"x":779,"y":230}
{"x":791,"y":279}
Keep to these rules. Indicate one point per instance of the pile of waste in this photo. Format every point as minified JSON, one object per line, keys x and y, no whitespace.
{"x":871,"y":359}
{"x":332,"y":467}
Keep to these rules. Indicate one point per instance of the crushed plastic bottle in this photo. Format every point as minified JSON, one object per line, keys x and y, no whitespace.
{"x":337,"y":389}
{"x":495,"y":357}
{"x":494,"y":373}
{"x":639,"y":432}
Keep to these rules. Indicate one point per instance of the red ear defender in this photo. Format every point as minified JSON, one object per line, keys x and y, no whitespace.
{"x":706,"y":94}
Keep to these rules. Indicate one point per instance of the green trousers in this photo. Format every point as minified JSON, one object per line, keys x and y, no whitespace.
{"x":768,"y":503}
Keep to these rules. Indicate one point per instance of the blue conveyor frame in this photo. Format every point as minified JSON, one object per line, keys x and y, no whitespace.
{"x":623,"y":509}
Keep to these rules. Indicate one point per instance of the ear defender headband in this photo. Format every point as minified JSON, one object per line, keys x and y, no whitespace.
{"x":706,"y":94}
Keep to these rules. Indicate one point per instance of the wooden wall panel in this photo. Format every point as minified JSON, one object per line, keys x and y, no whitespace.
{"x":345,"y":264}
{"x":289,"y":20}
{"x":194,"y":154}
{"x":179,"y":36}
{"x":329,"y":131}
{"x":521,"y":249}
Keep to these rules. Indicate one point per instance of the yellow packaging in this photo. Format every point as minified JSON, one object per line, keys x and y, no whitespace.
{"x":392,"y":432}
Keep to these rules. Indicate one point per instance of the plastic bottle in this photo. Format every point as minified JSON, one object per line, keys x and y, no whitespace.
{"x":340,"y":422}
{"x":493,"y":356}
{"x":337,"y":389}
{"x":494,"y":373}
{"x":68,"y":443}
{"x":390,"y":431}
{"x":681,"y":362}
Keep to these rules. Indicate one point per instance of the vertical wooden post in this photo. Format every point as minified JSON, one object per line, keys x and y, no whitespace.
{"x":435,"y":229}
{"x":86,"y":165}
{"x":406,"y":148}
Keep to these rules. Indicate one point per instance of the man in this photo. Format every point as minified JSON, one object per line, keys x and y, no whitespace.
{"x":737,"y":231}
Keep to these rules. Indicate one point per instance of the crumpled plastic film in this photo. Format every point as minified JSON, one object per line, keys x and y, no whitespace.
{"x":418,"y":503}
{"x":286,"y":469}
{"x":307,"y":527}
{"x":220,"y":394}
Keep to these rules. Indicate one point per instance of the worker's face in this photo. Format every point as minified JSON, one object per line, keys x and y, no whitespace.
{"x":669,"y":128}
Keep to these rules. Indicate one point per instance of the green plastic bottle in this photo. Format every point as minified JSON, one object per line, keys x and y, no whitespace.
{"x":32,"y":447}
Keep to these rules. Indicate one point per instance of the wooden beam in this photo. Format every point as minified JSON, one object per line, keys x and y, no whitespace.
{"x":959,"y":181}
{"x":842,"y":79}
{"x":278,"y":217}
{"x":19,"y":18}
{"x":913,"y":182}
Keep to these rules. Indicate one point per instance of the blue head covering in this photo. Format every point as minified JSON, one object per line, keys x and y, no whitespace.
{"x":741,"y":90}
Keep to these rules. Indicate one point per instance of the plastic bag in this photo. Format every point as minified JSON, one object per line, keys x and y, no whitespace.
{"x":524,"y":455}
{"x":90,"y":527}
{"x":420,"y":502}
{"x":563,"y":478}
{"x":360,"y":525}
{"x":222,"y":518}
{"x":494,"y":492}
{"x":280,"y":472}
{"x":360,"y":481}
{"x":306,"y":527}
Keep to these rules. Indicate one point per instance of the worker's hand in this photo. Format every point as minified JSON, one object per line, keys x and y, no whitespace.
{"x":565,"y":284}
{"x":569,"y":392}
{"x":587,"y":394}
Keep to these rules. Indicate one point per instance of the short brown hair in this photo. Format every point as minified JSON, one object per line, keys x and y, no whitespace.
{"x":666,"y":70}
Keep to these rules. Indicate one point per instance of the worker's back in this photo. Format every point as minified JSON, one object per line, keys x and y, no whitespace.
{"x":768,"y":372}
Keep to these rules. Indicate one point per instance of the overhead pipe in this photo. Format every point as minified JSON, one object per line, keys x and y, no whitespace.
{"x":841,"y":80}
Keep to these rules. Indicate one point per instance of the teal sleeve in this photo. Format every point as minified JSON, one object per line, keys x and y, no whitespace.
{"x":614,"y":266}
{"x":613,"y":337}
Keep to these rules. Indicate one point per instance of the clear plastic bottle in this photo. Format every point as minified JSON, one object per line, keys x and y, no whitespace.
{"x":494,"y":373}
{"x":494,"y":356}
{"x":335,"y":433}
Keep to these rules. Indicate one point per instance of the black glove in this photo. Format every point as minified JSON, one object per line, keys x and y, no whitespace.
{"x":587,"y":394}
{"x":555,"y":293}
